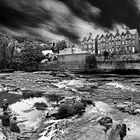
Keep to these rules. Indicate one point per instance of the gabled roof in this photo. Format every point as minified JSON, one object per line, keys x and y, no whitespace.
{"x":101,"y":36}
{"x":84,"y":39}
{"x":117,"y":34}
{"x":89,"y":38}
{"x":110,"y":34}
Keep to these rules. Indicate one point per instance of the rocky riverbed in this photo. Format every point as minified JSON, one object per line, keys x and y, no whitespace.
{"x":110,"y":95}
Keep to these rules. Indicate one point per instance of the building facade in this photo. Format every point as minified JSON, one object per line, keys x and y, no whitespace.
{"x":119,"y":43}
{"x":89,"y":44}
{"x":126,"y":42}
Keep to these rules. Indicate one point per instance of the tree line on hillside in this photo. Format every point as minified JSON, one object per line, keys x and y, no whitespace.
{"x":24,"y":53}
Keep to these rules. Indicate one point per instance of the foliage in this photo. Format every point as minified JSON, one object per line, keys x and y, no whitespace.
{"x":106,"y":54}
{"x":61,"y":45}
{"x":6,"y":52}
{"x":90,"y":61}
{"x":31,"y":55}
{"x":22,"y":39}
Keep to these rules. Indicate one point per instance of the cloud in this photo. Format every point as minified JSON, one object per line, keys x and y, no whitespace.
{"x":59,"y":17}
{"x":107,"y":13}
{"x":21,"y":15}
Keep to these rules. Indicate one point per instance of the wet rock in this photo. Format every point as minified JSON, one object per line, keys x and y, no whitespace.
{"x":137,"y":111}
{"x":117,"y":132}
{"x":87,"y":101}
{"x":123,"y":131}
{"x":85,"y":89}
{"x":72,"y":76}
{"x":62,"y":74}
{"x":106,"y":122}
{"x":53,"y":73}
{"x":71,"y":106}
{"x":31,"y":94}
{"x":54,"y":97}
{"x":128,"y":108}
{"x":40,"y":81}
{"x":40,"y":106}
{"x":69,"y":110}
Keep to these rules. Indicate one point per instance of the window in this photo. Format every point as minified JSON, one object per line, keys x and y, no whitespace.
{"x":133,"y":49}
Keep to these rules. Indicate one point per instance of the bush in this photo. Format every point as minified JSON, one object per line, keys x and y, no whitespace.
{"x":31,"y":55}
{"x":31,"y":94}
{"x":90,"y":61}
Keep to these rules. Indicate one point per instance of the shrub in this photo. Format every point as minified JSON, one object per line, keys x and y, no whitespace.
{"x":31,"y":94}
{"x":31,"y":55}
{"x":90,"y":61}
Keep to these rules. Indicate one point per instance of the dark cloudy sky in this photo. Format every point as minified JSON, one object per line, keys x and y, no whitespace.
{"x":71,"y":19}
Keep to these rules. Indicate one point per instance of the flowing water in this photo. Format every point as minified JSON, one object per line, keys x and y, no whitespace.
{"x":103,"y":89}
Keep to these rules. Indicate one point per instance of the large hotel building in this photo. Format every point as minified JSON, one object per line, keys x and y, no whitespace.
{"x":125,"y":42}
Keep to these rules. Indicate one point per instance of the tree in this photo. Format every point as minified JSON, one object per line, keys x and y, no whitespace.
{"x":31,"y":55}
{"x":61,"y":45}
{"x":106,"y":54}
{"x":90,"y":61}
{"x":6,"y":52}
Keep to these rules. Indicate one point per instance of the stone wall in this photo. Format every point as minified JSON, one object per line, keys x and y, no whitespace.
{"x":118,"y":65}
{"x":101,"y":65}
{"x":73,"y":65}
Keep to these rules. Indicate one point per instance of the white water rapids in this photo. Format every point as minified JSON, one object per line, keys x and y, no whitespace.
{"x":25,"y":110}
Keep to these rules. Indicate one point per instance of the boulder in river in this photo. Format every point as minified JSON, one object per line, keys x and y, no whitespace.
{"x":106,"y":122}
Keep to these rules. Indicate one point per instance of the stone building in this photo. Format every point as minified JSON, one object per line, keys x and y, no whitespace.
{"x":119,"y":43}
{"x":89,"y":44}
{"x":126,"y":42}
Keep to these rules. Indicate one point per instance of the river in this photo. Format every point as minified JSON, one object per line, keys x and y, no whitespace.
{"x":100,"y":88}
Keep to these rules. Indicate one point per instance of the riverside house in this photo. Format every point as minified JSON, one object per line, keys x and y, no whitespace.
{"x":73,"y":58}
